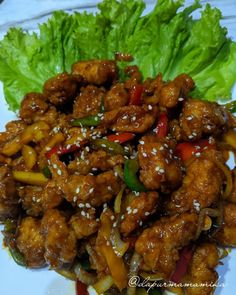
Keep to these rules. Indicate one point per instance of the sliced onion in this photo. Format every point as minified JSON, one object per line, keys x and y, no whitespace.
{"x":117,"y":205}
{"x":201,"y":219}
{"x":118,"y":169}
{"x":119,"y":246}
{"x":134,"y":268}
{"x":229,"y":180}
{"x":151,"y":276}
{"x":103,"y":284}
{"x":84,"y":276}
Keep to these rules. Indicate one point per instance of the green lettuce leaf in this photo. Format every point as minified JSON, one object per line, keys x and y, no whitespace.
{"x":166,"y":40}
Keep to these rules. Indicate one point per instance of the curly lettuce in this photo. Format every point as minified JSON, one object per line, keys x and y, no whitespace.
{"x":167,"y":40}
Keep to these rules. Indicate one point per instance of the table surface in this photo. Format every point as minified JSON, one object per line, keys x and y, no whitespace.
{"x":27,"y":14}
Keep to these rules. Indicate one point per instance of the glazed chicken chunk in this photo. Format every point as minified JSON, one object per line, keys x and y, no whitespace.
{"x":159,"y":245}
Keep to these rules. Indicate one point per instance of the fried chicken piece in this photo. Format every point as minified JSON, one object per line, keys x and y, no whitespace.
{"x":96,"y":72}
{"x":130,"y":118}
{"x":200,"y":118}
{"x":60,"y":239}
{"x":94,"y":190}
{"x":158,"y":168}
{"x":167,"y":94}
{"x":13,"y":128}
{"x":60,"y":89}
{"x":138,"y":211}
{"x":202,"y":270}
{"x":159,"y":245}
{"x":51,"y":116}
{"x":89,"y":101}
{"x":36,"y":199}
{"x":116,"y":97}
{"x":84,"y":222}
{"x":97,"y":160}
{"x":97,"y":260}
{"x":232,"y":196}
{"x":30,"y":242}
{"x":201,"y":186}
{"x":33,"y":105}
{"x":8,"y":195}
{"x":226,"y":236}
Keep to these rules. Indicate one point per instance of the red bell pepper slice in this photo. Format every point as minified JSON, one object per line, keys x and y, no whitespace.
{"x":162,"y":126}
{"x":81,"y":288}
{"x":183,"y":263}
{"x":62,"y":150}
{"x":121,"y":137}
{"x":136,"y":95}
{"x":186,"y":150}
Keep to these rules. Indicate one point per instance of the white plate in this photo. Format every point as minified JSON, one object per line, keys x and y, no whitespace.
{"x":15,"y":280}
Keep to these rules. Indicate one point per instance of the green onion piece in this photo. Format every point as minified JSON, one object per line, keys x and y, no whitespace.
{"x":17,"y":256}
{"x":46,"y":172}
{"x":130,"y":177}
{"x":86,"y":121}
{"x":231,"y":106}
{"x":109,"y":146}
{"x":155,"y":292}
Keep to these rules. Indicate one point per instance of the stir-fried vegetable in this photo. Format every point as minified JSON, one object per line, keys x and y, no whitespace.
{"x":136,"y":95}
{"x":115,"y":263}
{"x":10,"y":227}
{"x":162,"y":126}
{"x":81,"y":289}
{"x":117,"y":204}
{"x":186,"y":150}
{"x":109,"y":146}
{"x":103,"y":284}
{"x":86,"y":121}
{"x":33,"y":178}
{"x":130,"y":176}
{"x":183,"y":263}
{"x":121,"y":137}
{"x":29,"y":156}
{"x":46,"y":172}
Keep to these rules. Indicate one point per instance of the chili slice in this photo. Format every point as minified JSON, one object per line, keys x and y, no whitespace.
{"x":81,"y":288}
{"x":136,"y":95}
{"x":186,"y":150}
{"x":183,"y":263}
{"x":121,"y":137}
{"x":162,"y":126}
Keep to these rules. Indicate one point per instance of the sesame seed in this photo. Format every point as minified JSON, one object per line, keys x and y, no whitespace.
{"x":145,"y":155}
{"x":74,"y":199}
{"x":83,"y":213}
{"x":91,"y":190}
{"x":112,"y":217}
{"x":81,"y":205}
{"x":135,"y":211}
{"x":140,"y":223}
{"x":77,"y":190}
{"x":149,"y":107}
{"x":198,"y":154}
{"x":54,"y":166}
{"x":141,"y":142}
{"x":87,"y":205}
{"x":180,"y":99}
{"x":147,"y":213}
{"x":189,"y":118}
{"x":109,"y":188}
{"x":125,"y":117}
{"x":59,"y":172}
